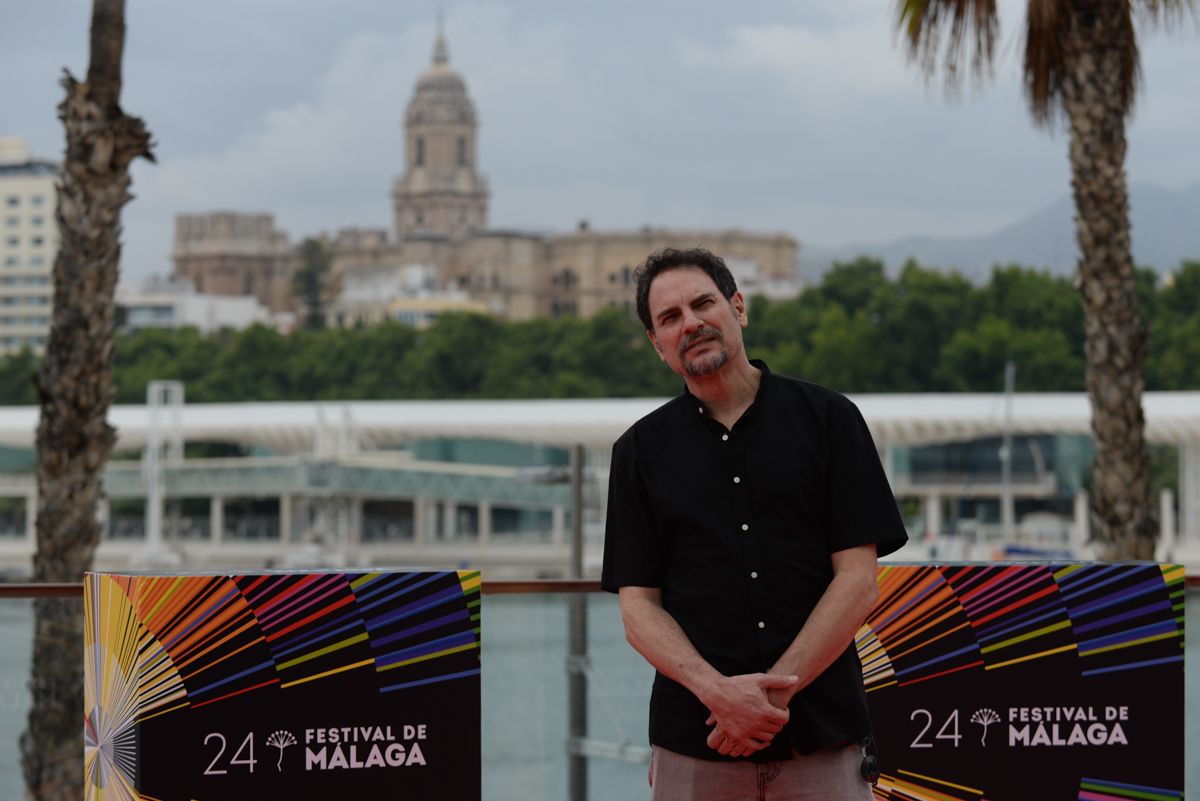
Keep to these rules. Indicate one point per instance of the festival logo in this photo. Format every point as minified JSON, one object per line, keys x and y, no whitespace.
{"x":985,"y":717}
{"x":1017,"y":681}
{"x":281,"y":739}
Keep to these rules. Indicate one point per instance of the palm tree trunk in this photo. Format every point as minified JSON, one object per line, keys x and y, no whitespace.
{"x":1098,"y":34}
{"x":75,"y":389}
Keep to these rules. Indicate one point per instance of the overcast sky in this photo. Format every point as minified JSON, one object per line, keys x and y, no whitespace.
{"x":799,"y":116}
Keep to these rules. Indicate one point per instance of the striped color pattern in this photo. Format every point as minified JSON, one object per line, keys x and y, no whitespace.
{"x":159,"y":644}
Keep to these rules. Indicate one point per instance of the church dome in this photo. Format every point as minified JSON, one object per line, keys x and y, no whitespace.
{"x":441,"y":93}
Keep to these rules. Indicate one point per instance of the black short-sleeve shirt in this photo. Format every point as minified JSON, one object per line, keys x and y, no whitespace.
{"x":736,"y":527}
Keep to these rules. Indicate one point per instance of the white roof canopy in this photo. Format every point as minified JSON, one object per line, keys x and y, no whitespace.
{"x":285,"y":427}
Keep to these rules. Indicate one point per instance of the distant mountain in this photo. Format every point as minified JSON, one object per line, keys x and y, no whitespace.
{"x":1166,"y":230}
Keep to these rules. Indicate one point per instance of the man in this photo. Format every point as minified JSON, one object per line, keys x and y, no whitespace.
{"x":744,"y":521}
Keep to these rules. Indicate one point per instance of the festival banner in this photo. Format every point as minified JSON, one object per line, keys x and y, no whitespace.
{"x":297,"y":685}
{"x":1011,"y":682}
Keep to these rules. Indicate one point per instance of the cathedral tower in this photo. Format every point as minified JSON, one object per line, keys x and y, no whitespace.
{"x":441,"y":192}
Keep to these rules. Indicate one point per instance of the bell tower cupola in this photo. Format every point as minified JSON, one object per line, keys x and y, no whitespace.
{"x":441,"y":192}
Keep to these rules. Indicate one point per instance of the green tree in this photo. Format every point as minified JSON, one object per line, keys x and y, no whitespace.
{"x":844,"y":355}
{"x":1146,"y":285}
{"x":452,"y":355}
{"x":323,"y":364}
{"x":1174,"y":360}
{"x":606,"y":355}
{"x":791,"y":323}
{"x":17,"y":373}
{"x":522,"y":365}
{"x":1177,"y":364}
{"x":1081,"y":63}
{"x":162,"y":354}
{"x":74,"y":385}
{"x":1035,"y":299}
{"x":912,"y":317}
{"x":853,"y":284}
{"x":1180,"y":298}
{"x":381,"y":350}
{"x":254,"y":364}
{"x":973,"y":359}
{"x":310,"y":282}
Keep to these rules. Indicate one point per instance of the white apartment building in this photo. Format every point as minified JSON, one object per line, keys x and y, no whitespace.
{"x":407,"y":294}
{"x":28,"y":245}
{"x":174,"y":303}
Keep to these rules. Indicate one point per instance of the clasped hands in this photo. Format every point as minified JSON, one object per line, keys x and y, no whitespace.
{"x":747,"y":711}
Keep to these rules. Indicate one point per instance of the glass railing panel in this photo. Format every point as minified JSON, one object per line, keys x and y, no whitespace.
{"x":525,"y":699}
{"x":16,"y":648}
{"x":16,"y":633}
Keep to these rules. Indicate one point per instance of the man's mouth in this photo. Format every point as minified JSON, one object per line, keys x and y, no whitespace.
{"x":700,"y":340}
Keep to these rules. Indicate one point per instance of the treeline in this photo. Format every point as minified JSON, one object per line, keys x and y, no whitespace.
{"x":857,"y":331}
{"x":460,"y":356}
{"x":928,"y":331}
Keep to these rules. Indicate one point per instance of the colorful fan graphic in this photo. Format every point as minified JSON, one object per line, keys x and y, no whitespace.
{"x":984,"y":678}
{"x":195,"y":680}
{"x":127,"y":676}
{"x":1100,"y":790}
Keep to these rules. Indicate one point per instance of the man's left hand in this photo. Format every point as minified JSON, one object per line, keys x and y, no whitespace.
{"x":723,"y":742}
{"x":732,"y":737}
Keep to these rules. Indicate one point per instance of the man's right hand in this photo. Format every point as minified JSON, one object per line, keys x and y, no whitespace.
{"x":744,"y":718}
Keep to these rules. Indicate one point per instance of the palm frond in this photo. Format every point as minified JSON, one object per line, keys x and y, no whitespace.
{"x":945,"y":31}
{"x":1045,"y":26}
{"x":1052,"y":24}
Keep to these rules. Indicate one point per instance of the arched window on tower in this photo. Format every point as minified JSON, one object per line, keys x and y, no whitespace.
{"x":419,"y":159}
{"x":462,"y":151}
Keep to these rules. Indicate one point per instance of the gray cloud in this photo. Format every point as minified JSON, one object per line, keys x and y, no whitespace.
{"x":797,"y":116}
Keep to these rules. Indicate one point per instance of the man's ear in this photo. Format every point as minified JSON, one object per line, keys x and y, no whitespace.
{"x":739,"y":305}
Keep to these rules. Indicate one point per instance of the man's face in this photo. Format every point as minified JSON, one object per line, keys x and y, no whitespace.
{"x":696,"y":330}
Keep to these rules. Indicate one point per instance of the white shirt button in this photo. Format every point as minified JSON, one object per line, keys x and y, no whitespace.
{"x":745,"y":526}
{"x":700,"y":409}
{"x":753,"y":574}
{"x":762,"y":625}
{"x":724,"y":437}
{"x":737,"y":479}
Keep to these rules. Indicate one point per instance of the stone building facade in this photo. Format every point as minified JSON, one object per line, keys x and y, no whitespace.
{"x":440,"y":214}
{"x":230,"y":253}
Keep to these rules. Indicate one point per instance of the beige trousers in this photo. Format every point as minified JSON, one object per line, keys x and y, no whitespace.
{"x":831,"y":775}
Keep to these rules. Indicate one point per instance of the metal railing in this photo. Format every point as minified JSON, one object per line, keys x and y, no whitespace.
{"x":504,"y":587}
{"x":497,"y":587}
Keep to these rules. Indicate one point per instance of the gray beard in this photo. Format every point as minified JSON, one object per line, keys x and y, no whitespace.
{"x":708,"y":366}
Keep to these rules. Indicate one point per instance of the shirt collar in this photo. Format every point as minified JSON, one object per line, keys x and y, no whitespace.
{"x":695,"y":403}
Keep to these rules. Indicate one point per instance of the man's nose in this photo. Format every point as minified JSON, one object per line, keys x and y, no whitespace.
{"x":691,"y":321}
